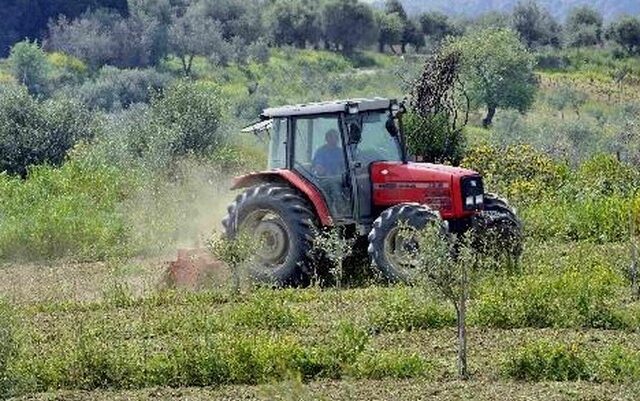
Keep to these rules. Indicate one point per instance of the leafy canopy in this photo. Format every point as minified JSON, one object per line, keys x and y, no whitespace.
{"x":497,"y":70}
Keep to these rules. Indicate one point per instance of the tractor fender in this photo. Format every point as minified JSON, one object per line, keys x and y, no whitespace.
{"x":296,"y":181}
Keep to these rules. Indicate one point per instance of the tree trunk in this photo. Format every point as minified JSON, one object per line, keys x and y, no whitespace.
{"x":633,"y":270}
{"x":461,"y":312}
{"x":403,"y":48}
{"x":488,"y":120}
{"x":381,"y":46}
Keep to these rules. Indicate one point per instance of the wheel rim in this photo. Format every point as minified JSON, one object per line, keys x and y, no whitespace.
{"x":271,"y":234}
{"x":399,"y":248}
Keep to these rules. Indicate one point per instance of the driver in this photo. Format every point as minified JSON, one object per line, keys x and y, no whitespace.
{"x":328,"y":159}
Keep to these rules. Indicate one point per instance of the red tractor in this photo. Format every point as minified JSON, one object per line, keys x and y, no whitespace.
{"x":345,"y":163}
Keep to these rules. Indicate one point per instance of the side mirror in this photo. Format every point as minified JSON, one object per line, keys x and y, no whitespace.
{"x":392,"y":127}
{"x":355,"y":134}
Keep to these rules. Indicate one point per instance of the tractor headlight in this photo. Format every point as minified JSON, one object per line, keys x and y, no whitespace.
{"x":472,"y":193}
{"x":353,"y":108}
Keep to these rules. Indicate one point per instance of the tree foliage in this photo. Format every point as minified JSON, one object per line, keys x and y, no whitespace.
{"x":497,"y":70}
{"x":626,"y":33}
{"x":28,"y":18}
{"x":535,"y":24}
{"x":584,"y":27}
{"x":348,"y":24}
{"x":29,"y":65}
{"x":438,"y":111}
{"x":295,"y":22}
{"x":33,"y":132}
{"x":437,"y":26}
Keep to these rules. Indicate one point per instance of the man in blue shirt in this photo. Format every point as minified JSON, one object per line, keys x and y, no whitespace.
{"x":329,"y":159}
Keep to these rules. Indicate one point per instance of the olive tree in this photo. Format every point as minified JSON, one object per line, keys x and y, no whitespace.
{"x":348,"y":24}
{"x":34,"y":132}
{"x":584,"y":27}
{"x":193,"y":34}
{"x":497,"y":70}
{"x":294,"y":22}
{"x":626,"y":33}
{"x":448,"y":264}
{"x":535,"y":24}
{"x":391,"y":30}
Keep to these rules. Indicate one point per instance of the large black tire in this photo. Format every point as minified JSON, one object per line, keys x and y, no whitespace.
{"x":283,"y":215}
{"x":499,"y":230}
{"x":381,"y":238}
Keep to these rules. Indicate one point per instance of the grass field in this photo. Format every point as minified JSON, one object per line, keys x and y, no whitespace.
{"x":564,"y":327}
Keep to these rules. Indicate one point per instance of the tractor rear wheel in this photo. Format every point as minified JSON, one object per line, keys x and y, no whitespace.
{"x":498,"y":229}
{"x":391,"y":242}
{"x":281,"y":221}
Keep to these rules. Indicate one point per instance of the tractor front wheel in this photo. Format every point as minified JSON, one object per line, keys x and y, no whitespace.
{"x":392,"y":239}
{"x":282,"y":224}
{"x":499,"y":230}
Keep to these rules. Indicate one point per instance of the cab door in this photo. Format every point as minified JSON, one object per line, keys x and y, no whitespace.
{"x":319,"y":156}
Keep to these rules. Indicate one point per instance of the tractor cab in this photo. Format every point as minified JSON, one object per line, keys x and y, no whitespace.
{"x":332,"y":146}
{"x":344,"y":163}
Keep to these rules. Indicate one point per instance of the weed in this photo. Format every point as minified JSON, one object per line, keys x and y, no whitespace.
{"x":381,"y":365}
{"x":543,"y":360}
{"x":406,"y":310}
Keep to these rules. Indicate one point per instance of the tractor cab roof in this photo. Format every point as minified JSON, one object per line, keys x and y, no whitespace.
{"x":349,"y":105}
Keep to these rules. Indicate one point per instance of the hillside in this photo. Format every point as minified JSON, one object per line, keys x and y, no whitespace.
{"x":609,"y":8}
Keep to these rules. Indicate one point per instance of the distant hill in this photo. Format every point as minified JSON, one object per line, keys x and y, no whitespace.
{"x":559,"y":8}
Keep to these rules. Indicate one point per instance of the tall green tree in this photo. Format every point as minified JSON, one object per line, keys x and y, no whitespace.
{"x":626,"y":33}
{"x":348,"y":24}
{"x":391,"y":29}
{"x":497,"y":70}
{"x":437,"y":26}
{"x":294,"y":22}
{"x":535,"y":24}
{"x":584,"y":27}
{"x":193,"y":34}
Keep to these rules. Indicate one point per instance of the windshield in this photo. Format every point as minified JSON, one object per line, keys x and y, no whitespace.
{"x":376,"y":143}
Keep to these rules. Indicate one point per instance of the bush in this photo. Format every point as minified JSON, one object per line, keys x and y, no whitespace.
{"x":434,"y":139}
{"x":385,"y":365}
{"x":66,"y":212}
{"x":29,"y":66}
{"x":542,"y":360}
{"x":115,"y":89}
{"x":573,"y":298}
{"x":193,"y":112}
{"x":518,"y":172}
{"x":407,"y":311}
{"x":33,"y":132}
{"x":267,"y":314}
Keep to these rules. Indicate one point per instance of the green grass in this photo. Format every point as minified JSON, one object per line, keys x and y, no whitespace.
{"x":127,"y":339}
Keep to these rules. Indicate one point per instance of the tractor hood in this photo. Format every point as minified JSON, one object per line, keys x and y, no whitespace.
{"x":443,"y":188}
{"x":385,"y":172}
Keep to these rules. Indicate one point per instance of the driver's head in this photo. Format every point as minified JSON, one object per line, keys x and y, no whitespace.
{"x":331,"y":137}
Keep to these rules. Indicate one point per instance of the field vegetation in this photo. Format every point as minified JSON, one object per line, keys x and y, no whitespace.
{"x":111,"y":157}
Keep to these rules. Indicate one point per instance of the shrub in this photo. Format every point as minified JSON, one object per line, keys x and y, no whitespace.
{"x":33,"y":132}
{"x":29,"y":66}
{"x":66,"y":212}
{"x":268,"y":314}
{"x":518,"y":172}
{"x":573,"y":298}
{"x":541,"y":360}
{"x":407,"y":311}
{"x":115,"y":89}
{"x":193,"y":112}
{"x":618,"y":364}
{"x":384,"y":365}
